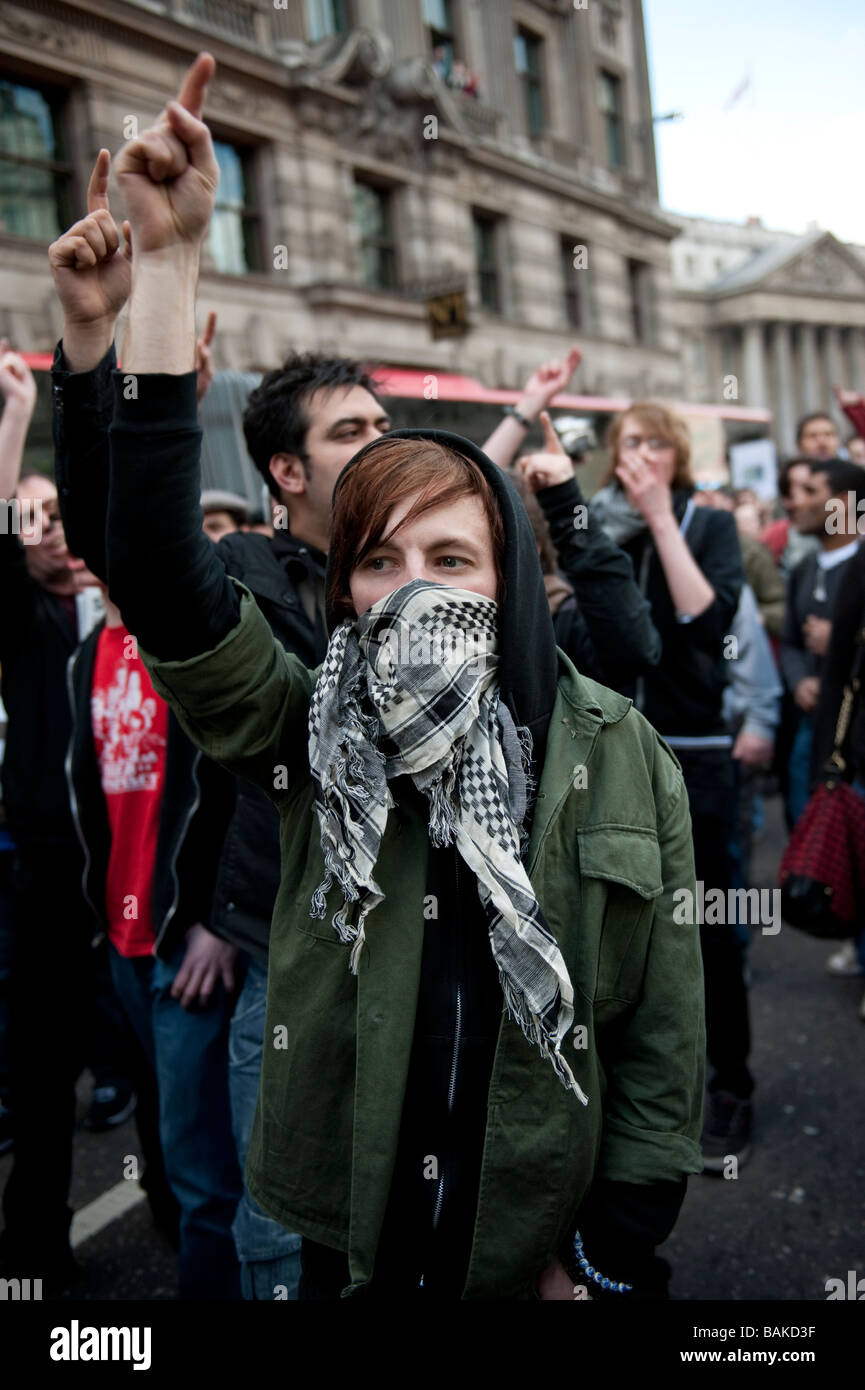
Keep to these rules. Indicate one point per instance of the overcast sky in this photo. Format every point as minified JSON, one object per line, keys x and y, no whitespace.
{"x":791,"y":149}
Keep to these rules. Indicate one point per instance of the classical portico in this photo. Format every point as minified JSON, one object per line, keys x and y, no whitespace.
{"x":779,"y":330}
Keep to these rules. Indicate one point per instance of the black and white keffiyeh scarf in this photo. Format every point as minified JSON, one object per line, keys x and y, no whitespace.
{"x":411,"y":687}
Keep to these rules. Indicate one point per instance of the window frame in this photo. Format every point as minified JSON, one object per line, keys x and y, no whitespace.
{"x":342,"y":23}
{"x":57,"y":98}
{"x":533,"y":83}
{"x":488,"y":272}
{"x":613,"y":119}
{"x":385,"y":244}
{"x":436,"y":35}
{"x":251,"y":213}
{"x":573,"y":297}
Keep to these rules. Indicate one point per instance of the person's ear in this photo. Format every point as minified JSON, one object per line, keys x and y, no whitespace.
{"x":287,"y":472}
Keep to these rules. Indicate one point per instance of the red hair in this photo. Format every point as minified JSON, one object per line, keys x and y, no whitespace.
{"x":392,"y":471}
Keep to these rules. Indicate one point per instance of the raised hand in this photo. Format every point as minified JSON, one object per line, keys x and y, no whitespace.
{"x":553,"y":465}
{"x":17,"y":383}
{"x":92,"y":272}
{"x":546,"y":382}
{"x":169,"y":174}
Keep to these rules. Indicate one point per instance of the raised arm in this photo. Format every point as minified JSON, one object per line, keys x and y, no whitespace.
{"x":540,"y":389}
{"x":624,"y":639}
{"x":18,"y":390}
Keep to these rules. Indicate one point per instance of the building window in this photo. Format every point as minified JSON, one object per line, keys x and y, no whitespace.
{"x":528,"y":58}
{"x":34,"y":172}
{"x":324,"y":18}
{"x":640,"y":295}
{"x":610,"y":102}
{"x":487,"y":260}
{"x":572,"y":252}
{"x":373,"y":215}
{"x":234,"y":240}
{"x":439,"y":19}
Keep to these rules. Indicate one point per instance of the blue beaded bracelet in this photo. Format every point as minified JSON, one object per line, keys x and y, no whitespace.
{"x":601,"y":1280}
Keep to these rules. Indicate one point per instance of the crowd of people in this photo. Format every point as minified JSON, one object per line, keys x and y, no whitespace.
{"x":385,"y":951}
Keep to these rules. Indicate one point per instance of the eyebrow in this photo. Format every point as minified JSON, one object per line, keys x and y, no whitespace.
{"x":450,"y":543}
{"x":354,"y":420}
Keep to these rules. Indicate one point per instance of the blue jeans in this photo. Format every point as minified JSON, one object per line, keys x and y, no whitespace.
{"x":800,"y":767}
{"x":188,"y":1049}
{"x":269,"y":1254}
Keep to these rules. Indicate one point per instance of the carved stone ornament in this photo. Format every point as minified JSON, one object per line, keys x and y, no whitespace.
{"x":50,"y":30}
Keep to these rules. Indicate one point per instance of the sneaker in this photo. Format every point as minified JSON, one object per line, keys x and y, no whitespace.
{"x":5,"y":1129}
{"x":110,"y":1106}
{"x":844,"y":961}
{"x":726,"y":1130}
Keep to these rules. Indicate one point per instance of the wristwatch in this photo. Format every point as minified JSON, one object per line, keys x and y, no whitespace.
{"x":520,"y":419}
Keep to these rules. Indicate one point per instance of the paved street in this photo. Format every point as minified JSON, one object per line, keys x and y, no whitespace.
{"x":794,"y":1217}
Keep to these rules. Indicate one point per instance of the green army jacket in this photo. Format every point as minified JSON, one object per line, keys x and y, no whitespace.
{"x":610,"y":844}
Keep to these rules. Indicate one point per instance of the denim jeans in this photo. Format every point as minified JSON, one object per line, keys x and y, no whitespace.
{"x":188,"y":1049}
{"x":799,"y":778}
{"x":269,"y":1254}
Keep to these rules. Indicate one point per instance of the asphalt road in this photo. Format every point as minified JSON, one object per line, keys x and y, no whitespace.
{"x":793,"y":1218}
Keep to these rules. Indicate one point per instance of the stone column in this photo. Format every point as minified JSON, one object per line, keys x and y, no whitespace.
{"x":835,"y":377}
{"x":810,"y":371}
{"x":753,"y":366}
{"x":785,"y":425}
{"x":857,"y":350}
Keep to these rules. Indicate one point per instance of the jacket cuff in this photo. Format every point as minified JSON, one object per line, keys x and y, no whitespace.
{"x":558,"y":502}
{"x":83,"y":391}
{"x":159,"y":402}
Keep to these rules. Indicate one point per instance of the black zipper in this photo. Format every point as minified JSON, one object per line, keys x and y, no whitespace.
{"x":452,"y":1084}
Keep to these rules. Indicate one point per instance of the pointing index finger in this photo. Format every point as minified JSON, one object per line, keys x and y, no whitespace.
{"x":97,"y":188}
{"x":193,"y":88}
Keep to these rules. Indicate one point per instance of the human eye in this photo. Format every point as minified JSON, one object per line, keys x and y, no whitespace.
{"x":452,"y":561}
{"x":377,"y":563}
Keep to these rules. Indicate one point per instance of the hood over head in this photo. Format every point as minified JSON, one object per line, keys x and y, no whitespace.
{"x":527,"y":645}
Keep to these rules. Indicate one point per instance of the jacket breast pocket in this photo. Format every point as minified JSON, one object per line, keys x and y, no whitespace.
{"x":620,"y":871}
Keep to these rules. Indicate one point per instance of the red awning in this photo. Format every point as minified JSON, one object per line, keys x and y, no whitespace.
{"x":398,"y":381}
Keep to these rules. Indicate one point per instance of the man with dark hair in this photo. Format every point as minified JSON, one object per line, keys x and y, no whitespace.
{"x":829,"y":511}
{"x":302,"y":424}
{"x":817,"y":436}
{"x":787,"y":545}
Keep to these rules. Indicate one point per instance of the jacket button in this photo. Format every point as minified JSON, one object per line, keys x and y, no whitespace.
{"x":229,"y":907}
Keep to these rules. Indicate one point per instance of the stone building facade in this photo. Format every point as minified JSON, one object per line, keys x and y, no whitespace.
{"x":374,"y":154}
{"x":769,"y":318}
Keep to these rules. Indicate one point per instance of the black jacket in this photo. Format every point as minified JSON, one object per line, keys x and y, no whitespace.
{"x":197,"y":800}
{"x":606,"y":627}
{"x":682,"y":695}
{"x":281,"y":573}
{"x":796,"y":661}
{"x":38,"y":634}
{"x":848,"y":620}
{"x":187,"y":606}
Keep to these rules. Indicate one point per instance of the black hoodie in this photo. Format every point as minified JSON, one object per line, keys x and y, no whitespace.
{"x":185,"y":605}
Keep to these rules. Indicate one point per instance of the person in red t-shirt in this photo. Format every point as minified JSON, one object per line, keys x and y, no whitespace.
{"x":152,"y":813}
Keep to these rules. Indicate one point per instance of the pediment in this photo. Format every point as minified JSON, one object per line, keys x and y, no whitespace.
{"x":826,"y":267}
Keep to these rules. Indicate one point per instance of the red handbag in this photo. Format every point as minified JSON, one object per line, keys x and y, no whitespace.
{"x":822,"y":873}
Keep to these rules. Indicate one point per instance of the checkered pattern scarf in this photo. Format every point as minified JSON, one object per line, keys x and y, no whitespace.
{"x":411,"y":687}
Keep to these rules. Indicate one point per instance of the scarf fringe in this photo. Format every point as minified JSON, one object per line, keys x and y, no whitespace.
{"x":533,"y":1029}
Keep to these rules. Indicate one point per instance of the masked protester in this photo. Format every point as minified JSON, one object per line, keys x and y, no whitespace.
{"x":482,"y":1071}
